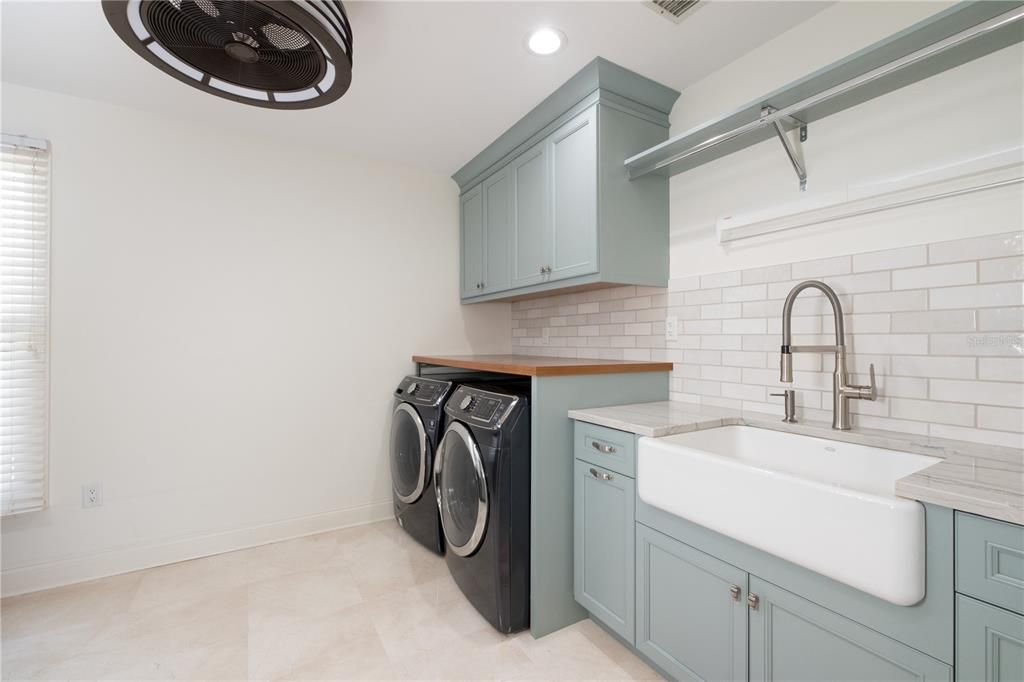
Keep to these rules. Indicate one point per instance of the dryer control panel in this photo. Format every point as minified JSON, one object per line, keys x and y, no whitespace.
{"x":480,"y":407}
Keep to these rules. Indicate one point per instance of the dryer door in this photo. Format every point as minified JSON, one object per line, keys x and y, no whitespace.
{"x":409,"y":454}
{"x":461,"y":488}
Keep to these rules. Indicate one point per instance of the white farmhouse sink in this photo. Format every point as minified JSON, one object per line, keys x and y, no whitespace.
{"x":825,"y":505}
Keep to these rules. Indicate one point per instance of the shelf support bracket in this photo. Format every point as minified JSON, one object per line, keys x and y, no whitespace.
{"x":795,"y":157}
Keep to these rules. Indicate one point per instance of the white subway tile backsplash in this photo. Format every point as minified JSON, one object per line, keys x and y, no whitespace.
{"x":977,"y":248}
{"x":822,"y":268}
{"x":978,"y":296}
{"x":1001,"y":369}
{"x":977,"y":392}
{"x":934,"y":366}
{"x":932,"y":410}
{"x":1001,"y":418}
{"x":891,"y":259}
{"x":942,"y":323}
{"x":935,"y":276}
{"x":1001,"y":320}
{"x":935,"y":321}
{"x":720,"y":311}
{"x":722,"y":279}
{"x":890,"y":302}
{"x":745,"y":326}
{"x":749,"y":292}
{"x":977,"y":345}
{"x":1002,"y":269}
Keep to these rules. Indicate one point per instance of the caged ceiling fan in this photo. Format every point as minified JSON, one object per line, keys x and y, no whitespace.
{"x":280,"y":54}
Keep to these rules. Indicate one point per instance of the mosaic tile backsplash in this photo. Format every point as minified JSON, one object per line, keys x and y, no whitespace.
{"x":942,"y":323}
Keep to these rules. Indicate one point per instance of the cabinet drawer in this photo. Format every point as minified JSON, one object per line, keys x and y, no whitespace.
{"x":612,"y":449}
{"x":989,"y":643}
{"x":990,"y":561}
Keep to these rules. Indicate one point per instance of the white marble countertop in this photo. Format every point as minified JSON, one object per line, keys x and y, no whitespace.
{"x":980,"y":479}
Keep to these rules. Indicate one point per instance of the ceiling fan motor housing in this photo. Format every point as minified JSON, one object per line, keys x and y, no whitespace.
{"x":280,"y":54}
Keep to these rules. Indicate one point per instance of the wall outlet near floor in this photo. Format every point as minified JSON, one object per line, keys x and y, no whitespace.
{"x":92,"y":495}
{"x":671,"y":328}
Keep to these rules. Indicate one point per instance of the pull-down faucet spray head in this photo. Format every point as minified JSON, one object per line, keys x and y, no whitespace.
{"x":786,"y":353}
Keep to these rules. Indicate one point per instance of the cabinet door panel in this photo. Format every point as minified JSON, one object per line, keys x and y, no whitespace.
{"x":472,"y":242}
{"x":498,"y":213}
{"x":530,"y":224}
{"x":989,"y":643}
{"x":574,"y":197}
{"x":604,"y":504}
{"x":795,"y":640}
{"x":688,"y":621}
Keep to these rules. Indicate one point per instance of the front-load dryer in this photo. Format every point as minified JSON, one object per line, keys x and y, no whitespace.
{"x":482,"y":483}
{"x":416,"y":425}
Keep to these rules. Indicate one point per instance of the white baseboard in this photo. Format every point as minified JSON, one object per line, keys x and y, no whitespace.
{"x":67,"y":571}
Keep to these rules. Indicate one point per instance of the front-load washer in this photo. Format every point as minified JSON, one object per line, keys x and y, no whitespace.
{"x":482,"y":483}
{"x":416,"y":425}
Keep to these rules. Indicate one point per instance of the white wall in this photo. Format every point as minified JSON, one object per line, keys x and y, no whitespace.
{"x":973,"y":110}
{"x":229,"y":317}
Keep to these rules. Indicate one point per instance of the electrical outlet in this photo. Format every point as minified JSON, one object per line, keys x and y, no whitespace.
{"x":545,"y":334}
{"x":671,"y":328}
{"x":92,"y":495}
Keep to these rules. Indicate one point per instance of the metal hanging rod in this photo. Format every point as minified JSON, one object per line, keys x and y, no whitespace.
{"x":637,"y":168}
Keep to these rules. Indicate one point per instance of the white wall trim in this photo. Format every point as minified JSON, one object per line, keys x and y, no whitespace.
{"x":78,"y":569}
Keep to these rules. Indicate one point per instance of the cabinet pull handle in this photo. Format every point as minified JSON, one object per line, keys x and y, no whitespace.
{"x":734,"y":592}
{"x":752,"y":601}
{"x":598,"y":474}
{"x":600,"y":447}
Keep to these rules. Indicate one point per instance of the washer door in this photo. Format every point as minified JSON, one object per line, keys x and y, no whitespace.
{"x":409,"y":454}
{"x":461,"y":488}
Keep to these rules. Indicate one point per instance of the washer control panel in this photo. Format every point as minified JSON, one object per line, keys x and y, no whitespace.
{"x":423,"y":391}
{"x":479,"y":406}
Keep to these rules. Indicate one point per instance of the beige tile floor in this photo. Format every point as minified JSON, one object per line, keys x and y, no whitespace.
{"x":359,"y":603}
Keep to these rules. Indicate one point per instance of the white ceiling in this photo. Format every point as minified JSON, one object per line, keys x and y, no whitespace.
{"x":433,"y":83}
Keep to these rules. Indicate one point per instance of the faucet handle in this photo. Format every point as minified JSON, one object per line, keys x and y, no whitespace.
{"x":869,"y":392}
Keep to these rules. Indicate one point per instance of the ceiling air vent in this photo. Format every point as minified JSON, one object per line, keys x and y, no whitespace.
{"x":281,"y":54}
{"x":673,"y":10}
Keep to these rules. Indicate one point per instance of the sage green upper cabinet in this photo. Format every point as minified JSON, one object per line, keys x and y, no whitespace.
{"x":575,"y":220}
{"x":497,"y":191}
{"x":472,"y":234}
{"x":530,"y":225}
{"x":573,"y":238}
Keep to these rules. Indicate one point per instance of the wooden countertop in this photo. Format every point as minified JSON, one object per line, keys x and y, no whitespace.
{"x":541,"y":366}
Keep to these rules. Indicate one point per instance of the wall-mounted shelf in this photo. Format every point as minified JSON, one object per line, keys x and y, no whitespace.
{"x":948,"y":39}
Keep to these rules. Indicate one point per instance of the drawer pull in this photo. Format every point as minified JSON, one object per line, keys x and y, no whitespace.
{"x":734,"y":592}
{"x":601,"y":447}
{"x":598,"y":474}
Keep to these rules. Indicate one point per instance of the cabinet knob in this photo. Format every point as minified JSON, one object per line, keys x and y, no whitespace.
{"x":752,"y":601}
{"x":734,"y":592}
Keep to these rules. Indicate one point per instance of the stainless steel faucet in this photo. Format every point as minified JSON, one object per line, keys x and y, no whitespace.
{"x":842,"y":391}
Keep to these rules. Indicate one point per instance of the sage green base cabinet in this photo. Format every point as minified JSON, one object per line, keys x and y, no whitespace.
{"x":989,"y":642}
{"x":795,"y":640}
{"x":708,"y":607}
{"x":691,"y":610}
{"x":549,"y":205}
{"x":604,"y":503}
{"x":990,"y":603}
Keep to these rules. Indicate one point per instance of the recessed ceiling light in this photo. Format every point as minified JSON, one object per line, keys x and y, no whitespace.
{"x":545,"y":41}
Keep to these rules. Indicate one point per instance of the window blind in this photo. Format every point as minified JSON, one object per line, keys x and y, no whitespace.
{"x":24,"y":323}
